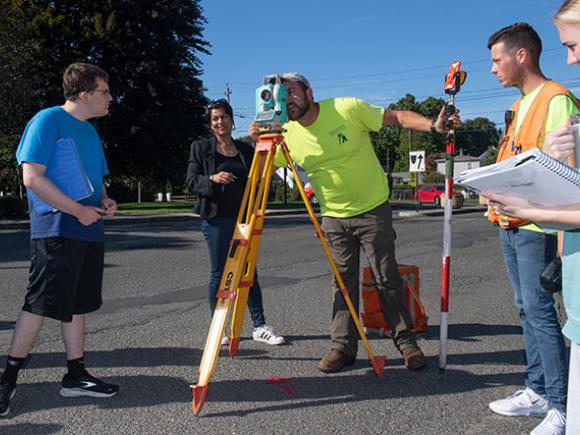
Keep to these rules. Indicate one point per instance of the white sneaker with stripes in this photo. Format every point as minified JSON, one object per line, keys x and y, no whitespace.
{"x":266,"y":334}
{"x":522,"y":403}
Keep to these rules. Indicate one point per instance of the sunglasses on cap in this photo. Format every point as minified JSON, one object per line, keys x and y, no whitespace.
{"x":222,"y":103}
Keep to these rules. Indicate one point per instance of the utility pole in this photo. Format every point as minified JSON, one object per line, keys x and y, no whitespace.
{"x":228,"y":92}
{"x":414,"y":176}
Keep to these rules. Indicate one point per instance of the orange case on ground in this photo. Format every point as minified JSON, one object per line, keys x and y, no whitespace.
{"x":372,"y":316}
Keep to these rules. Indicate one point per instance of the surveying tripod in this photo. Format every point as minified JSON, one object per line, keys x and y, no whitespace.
{"x":238,"y":275}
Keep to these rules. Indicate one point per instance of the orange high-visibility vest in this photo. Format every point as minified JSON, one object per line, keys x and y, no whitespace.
{"x":529,"y":136}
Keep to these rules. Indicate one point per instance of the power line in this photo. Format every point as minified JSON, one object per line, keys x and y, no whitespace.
{"x":396,"y":72}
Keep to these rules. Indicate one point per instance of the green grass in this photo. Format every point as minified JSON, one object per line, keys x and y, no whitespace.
{"x":134,"y":208}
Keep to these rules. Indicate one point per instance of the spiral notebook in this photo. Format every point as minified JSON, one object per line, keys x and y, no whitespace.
{"x":532,"y":175}
{"x":65,"y":170}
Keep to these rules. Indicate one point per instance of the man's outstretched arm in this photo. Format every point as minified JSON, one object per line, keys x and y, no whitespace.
{"x":415,"y":121}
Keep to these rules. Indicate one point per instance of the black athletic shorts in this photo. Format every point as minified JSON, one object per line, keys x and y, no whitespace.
{"x":66,"y":277}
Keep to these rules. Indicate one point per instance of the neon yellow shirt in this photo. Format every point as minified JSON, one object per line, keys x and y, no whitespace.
{"x":338,"y":157}
{"x":559,"y":110}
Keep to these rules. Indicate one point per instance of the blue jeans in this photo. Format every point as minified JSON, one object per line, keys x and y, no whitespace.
{"x":218,"y":233}
{"x":526,"y":255}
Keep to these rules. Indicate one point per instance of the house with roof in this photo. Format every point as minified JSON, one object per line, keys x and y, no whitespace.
{"x":462,"y":162}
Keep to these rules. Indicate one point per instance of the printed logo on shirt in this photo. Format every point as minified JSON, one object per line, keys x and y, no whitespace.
{"x":338,"y":132}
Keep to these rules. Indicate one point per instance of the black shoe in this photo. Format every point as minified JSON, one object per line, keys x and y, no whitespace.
{"x":7,"y":393}
{"x":86,"y":386}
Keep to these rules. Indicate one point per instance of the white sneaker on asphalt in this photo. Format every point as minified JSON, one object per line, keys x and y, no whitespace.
{"x":225,"y":340}
{"x":553,"y":424}
{"x":267,"y":334}
{"x":522,"y":403}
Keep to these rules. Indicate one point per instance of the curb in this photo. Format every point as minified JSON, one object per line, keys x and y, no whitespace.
{"x":180,"y":217}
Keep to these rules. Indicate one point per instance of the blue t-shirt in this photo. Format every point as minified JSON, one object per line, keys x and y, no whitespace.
{"x":37,"y":145}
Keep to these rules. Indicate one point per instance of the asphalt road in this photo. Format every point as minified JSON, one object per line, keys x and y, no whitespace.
{"x":150,"y":333}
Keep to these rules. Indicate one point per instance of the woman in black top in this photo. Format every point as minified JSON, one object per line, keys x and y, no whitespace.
{"x":217,"y":172}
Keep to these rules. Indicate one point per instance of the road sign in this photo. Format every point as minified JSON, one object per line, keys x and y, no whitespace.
{"x":416,"y":161}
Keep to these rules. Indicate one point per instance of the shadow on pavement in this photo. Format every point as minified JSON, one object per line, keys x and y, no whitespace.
{"x":357,"y":384}
{"x":30,"y":428}
{"x":346,"y":388}
{"x":510,"y":357}
{"x":185,"y":295}
{"x":132,"y":357}
{"x":469,"y":331}
{"x":6,"y":325}
{"x":18,"y":244}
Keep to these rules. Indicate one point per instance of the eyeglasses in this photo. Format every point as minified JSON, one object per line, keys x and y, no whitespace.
{"x":105,"y":92}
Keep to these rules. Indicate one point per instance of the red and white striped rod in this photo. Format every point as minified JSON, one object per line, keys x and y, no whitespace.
{"x":453,"y":81}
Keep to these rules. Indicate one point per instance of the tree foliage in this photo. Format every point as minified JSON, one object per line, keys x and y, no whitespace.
{"x":392,"y":144}
{"x":397,"y":142}
{"x":150,"y":50}
{"x":476,"y":135}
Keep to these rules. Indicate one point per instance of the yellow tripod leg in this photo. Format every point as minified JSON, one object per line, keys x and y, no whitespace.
{"x":226,"y":294}
{"x":253,"y":205}
{"x":377,"y":362}
{"x":245,"y":285}
{"x":266,"y":152}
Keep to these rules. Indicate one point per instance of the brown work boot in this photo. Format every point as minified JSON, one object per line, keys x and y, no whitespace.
{"x":334,"y":361}
{"x":413,"y":356}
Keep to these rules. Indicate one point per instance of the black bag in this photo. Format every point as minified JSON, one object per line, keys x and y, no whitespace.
{"x":551,"y":277}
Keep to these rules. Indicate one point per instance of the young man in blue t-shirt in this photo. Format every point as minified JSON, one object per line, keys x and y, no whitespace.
{"x":67,"y":244}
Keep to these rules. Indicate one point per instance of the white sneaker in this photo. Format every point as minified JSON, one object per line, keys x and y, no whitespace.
{"x":267,"y":334}
{"x":225,"y":340}
{"x":521,"y":403}
{"x":553,"y":424}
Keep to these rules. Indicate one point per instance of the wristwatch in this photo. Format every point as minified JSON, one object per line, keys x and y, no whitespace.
{"x":433,"y":129}
{"x":211,"y":178}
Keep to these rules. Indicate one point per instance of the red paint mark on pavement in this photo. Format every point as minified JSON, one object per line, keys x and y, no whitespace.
{"x":278,"y":380}
{"x":275,"y":379}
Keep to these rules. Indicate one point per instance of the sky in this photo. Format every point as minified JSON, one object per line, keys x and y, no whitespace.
{"x":376,"y":50}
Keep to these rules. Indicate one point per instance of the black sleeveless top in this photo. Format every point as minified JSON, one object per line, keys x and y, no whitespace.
{"x":228,"y":197}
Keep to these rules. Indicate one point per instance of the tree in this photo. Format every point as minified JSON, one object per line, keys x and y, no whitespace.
{"x":490,"y":156}
{"x":149,"y":48}
{"x":17,"y":81}
{"x":396,"y":142}
{"x":476,"y":135}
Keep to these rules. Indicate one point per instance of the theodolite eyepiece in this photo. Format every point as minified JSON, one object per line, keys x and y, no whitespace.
{"x":271,"y":108}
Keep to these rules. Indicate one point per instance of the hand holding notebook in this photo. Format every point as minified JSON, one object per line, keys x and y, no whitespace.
{"x":532,"y":175}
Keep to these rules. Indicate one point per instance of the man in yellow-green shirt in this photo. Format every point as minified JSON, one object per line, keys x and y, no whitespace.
{"x":330,"y":140}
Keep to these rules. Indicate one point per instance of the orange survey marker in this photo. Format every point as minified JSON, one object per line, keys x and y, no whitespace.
{"x":373,"y":318}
